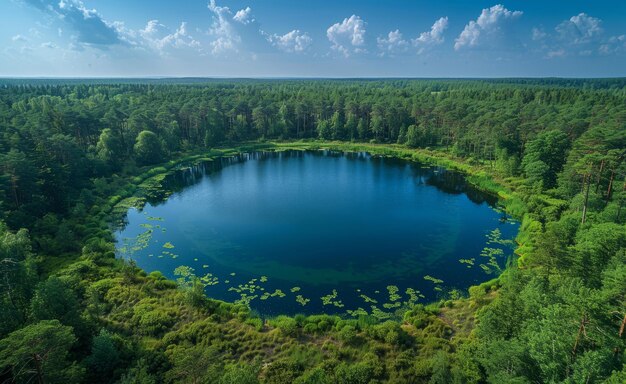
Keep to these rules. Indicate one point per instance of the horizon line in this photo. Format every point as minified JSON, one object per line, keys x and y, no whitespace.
{"x":159,"y":77}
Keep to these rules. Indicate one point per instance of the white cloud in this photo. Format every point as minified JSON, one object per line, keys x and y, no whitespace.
{"x":580,"y":35}
{"x":392,"y":43}
{"x":181,"y":38}
{"x":90,"y":27}
{"x":432,"y":37}
{"x":226,"y":37}
{"x":488,"y":21}
{"x":157,"y":36}
{"x":19,"y":38}
{"x":348,"y":36}
{"x":580,"y":29}
{"x":238,"y":33}
{"x":151,"y":28}
{"x":615,"y":44}
{"x":89,"y":30}
{"x":294,"y":41}
{"x":244,"y":16}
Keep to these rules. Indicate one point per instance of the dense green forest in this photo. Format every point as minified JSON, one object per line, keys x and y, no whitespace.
{"x":73,"y":152}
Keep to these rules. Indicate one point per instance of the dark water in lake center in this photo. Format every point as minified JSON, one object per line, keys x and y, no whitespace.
{"x":310,"y":222}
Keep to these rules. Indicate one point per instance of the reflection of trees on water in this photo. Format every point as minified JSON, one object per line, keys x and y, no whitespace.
{"x":183,"y":178}
{"x":455,"y":183}
{"x":447,"y":181}
{"x":192,"y":174}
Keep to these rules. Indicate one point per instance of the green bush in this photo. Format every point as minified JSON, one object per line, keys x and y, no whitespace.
{"x":153,"y":321}
{"x":348,"y":334}
{"x":359,"y":373}
{"x":287,"y":325}
{"x":314,"y":376}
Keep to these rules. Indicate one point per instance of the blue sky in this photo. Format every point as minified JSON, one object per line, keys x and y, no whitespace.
{"x":293,"y":38}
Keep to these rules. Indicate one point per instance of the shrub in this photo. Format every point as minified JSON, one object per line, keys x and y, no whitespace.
{"x":287,"y":325}
{"x":314,"y":376}
{"x":359,"y":373}
{"x":310,"y":328}
{"x":240,"y":374}
{"x":348,"y":334}
{"x":389,"y":332}
{"x":151,"y":320}
{"x":281,"y":372}
{"x":256,"y":322}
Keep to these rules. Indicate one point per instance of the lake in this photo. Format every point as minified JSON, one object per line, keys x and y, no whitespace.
{"x":320,"y":231}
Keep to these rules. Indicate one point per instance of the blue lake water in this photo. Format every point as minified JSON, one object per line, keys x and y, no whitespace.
{"x":306,"y":223}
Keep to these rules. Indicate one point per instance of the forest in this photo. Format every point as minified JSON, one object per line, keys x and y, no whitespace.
{"x":73,"y":153}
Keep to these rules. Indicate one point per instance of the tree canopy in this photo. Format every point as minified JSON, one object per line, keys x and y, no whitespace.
{"x":75,"y":154}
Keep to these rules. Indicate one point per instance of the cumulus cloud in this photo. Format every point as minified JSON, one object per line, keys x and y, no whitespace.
{"x":49,"y":45}
{"x":615,"y":44}
{"x":226,"y":37}
{"x":238,"y":33}
{"x":580,"y":35}
{"x":432,"y":37}
{"x":180,"y":38}
{"x":89,"y":26}
{"x":91,"y":30}
{"x":158,"y":37}
{"x":151,"y":28}
{"x":244,"y":16}
{"x":489,"y":21}
{"x":580,"y":29}
{"x":348,"y":36}
{"x":392,"y":43}
{"x":294,"y":41}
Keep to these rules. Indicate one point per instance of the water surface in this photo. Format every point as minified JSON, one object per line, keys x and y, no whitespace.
{"x":310,"y":222}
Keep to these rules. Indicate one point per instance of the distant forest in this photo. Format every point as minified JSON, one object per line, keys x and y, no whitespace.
{"x":71,"y":312}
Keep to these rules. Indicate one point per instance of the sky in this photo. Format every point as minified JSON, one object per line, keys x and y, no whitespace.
{"x":313,"y":38}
